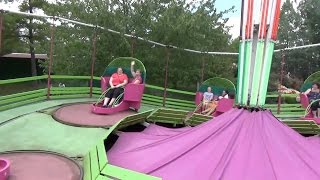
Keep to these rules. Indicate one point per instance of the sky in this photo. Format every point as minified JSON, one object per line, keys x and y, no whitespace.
{"x":234,"y":18}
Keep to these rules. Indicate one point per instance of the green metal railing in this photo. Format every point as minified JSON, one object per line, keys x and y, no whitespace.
{"x":176,"y":101}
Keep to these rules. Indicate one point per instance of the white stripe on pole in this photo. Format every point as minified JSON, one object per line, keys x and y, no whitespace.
{"x":242,"y":51}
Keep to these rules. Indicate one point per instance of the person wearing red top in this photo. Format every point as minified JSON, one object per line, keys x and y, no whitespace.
{"x":136,"y":74}
{"x":117,"y":81}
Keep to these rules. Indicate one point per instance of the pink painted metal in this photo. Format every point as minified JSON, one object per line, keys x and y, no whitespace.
{"x":41,"y":166}
{"x":238,"y":145}
{"x":305,"y":103}
{"x":198,"y":99}
{"x":224,"y":105}
{"x":132,"y":98}
{"x":104,"y":83}
{"x":4,"y":169}
{"x":81,"y":115}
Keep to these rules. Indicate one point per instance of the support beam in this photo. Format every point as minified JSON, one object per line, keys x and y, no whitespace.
{"x":93,"y":59}
{"x":51,"y":57}
{"x":166,"y":77}
{"x":281,"y":82}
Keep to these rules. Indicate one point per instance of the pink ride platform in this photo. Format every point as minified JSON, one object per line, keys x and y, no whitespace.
{"x":4,"y":169}
{"x":39,"y":165}
{"x":305,"y":103}
{"x":131,"y":98}
{"x":80,"y":115}
{"x":224,"y":105}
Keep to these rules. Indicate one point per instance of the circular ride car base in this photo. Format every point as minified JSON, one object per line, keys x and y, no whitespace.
{"x":33,"y":165}
{"x":81,"y":115}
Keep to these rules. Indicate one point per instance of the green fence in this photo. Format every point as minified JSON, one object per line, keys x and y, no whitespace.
{"x":176,"y":99}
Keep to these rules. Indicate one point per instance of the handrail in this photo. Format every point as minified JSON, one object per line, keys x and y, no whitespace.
{"x":73,"y":92}
{"x":306,"y":112}
{"x":25,"y":79}
{"x":102,"y":96}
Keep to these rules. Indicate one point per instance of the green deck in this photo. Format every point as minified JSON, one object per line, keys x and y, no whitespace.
{"x":26,"y":123}
{"x":29,"y":127}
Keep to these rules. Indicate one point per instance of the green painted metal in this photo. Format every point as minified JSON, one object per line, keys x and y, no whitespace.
{"x":25,"y":79}
{"x":246,"y":75}
{"x":134,"y":119}
{"x":95,"y":171}
{"x":87,"y":167}
{"x":22,"y":98}
{"x":256,"y":74}
{"x":167,"y":99}
{"x":74,"y":89}
{"x":170,"y":90}
{"x":265,"y":74}
{"x":21,"y":103}
{"x":73,"y":77}
{"x":102,"y":155}
{"x":41,"y":131}
{"x":240,"y":71}
{"x":171,"y":102}
{"x":22,"y":94}
{"x":72,"y":96}
{"x":101,"y":177}
{"x":315,"y":77}
{"x":303,"y":126}
{"x":125,"y":174}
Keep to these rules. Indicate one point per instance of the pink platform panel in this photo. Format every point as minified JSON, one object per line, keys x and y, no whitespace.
{"x":4,"y":169}
{"x":198,"y":98}
{"x":132,"y":98}
{"x":224,"y":105}
{"x":304,"y":100}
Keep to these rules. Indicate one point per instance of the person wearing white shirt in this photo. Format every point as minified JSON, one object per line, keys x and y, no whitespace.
{"x":225,"y":94}
{"x":207,"y":97}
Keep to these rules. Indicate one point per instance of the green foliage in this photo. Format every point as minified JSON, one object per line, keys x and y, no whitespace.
{"x":298,"y":27}
{"x":189,"y":25}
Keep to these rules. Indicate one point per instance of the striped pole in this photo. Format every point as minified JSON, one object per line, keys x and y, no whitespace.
{"x":256,"y":50}
{"x":247,"y":56}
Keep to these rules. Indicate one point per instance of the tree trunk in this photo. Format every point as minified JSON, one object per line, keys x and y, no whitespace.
{"x":32,"y":53}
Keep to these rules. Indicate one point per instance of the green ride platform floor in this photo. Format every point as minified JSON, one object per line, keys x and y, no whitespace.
{"x":31,"y":127}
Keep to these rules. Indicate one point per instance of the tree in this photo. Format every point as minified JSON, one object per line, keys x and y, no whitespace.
{"x":29,"y":24}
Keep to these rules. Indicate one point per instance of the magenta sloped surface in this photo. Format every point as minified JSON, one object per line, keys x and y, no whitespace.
{"x":236,"y":145}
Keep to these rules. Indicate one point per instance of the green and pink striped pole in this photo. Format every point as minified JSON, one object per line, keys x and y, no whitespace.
{"x":256,"y":50}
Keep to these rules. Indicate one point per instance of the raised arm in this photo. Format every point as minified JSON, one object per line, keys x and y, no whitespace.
{"x":132,"y":69}
{"x":307,"y":91}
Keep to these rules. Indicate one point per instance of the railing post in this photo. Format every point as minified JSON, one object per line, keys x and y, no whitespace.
{"x":202,"y":69}
{"x":166,"y":76}
{"x":51,"y":58}
{"x":1,"y":27}
{"x":94,"y":44}
{"x":133,"y":43}
{"x":281,"y":81}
